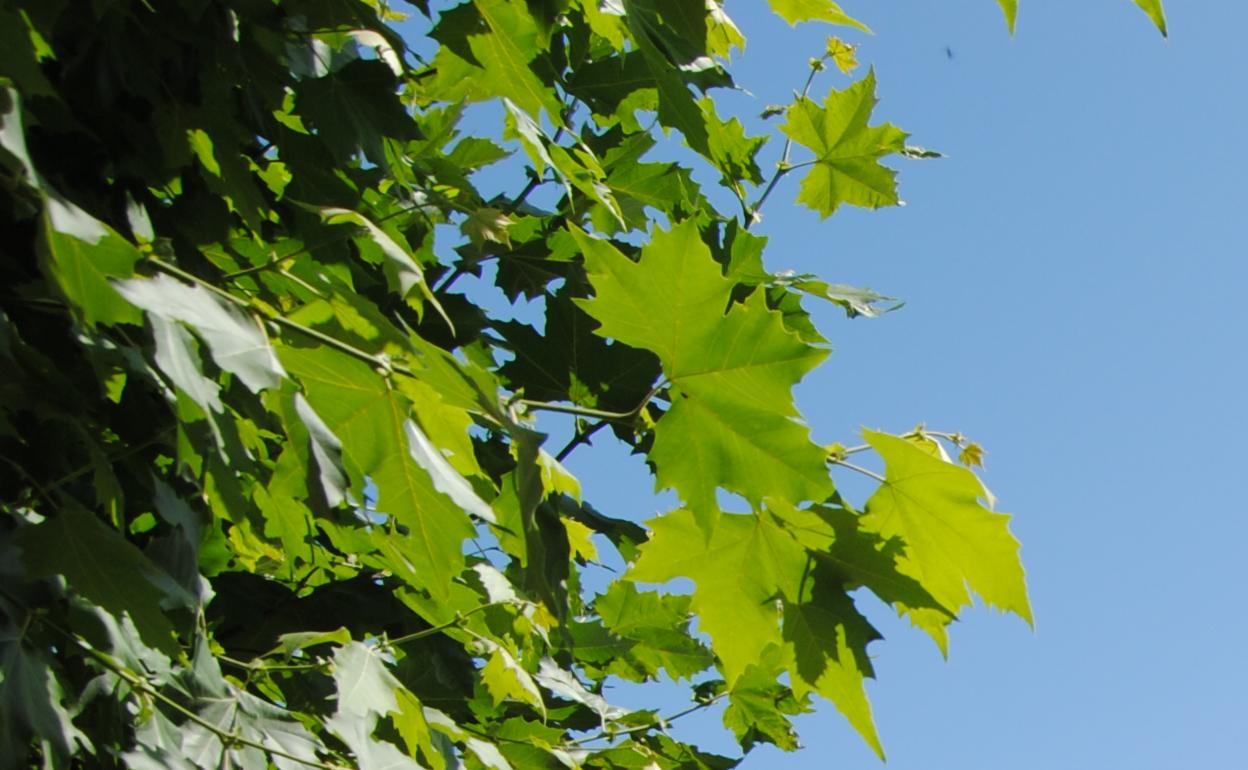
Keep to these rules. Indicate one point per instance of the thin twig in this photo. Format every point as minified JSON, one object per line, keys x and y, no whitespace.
{"x":582,"y":411}
{"x":459,"y":618}
{"x":659,"y":722}
{"x":256,"y":664}
{"x":110,"y":459}
{"x":535,"y":181}
{"x":860,"y":469}
{"x":450,"y":278}
{"x":582,"y":437}
{"x":34,"y":483}
{"x":227,"y":738}
{"x":783,"y":166}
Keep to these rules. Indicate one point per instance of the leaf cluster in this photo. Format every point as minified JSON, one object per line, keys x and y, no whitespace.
{"x":274,"y":490}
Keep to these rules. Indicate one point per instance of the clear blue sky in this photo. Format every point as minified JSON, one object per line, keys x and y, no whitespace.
{"x":1074,"y":273}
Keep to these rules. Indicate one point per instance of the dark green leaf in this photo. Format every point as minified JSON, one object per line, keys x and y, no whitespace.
{"x":101,"y":565}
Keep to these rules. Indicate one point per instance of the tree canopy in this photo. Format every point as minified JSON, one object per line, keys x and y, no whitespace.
{"x":275,"y":489}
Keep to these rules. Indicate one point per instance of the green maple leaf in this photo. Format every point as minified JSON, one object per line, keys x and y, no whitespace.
{"x":846,"y":166}
{"x":1155,"y":12}
{"x":732,"y":423}
{"x":238,"y":344}
{"x":794,"y":11}
{"x":371,"y":419}
{"x":365,"y":684}
{"x":514,"y":40}
{"x":504,"y":678}
{"x":759,"y":707}
{"x":843,"y":55}
{"x":84,"y":255}
{"x":828,"y":638}
{"x":657,"y":627}
{"x":952,"y":541}
{"x":1010,"y":9}
{"x":739,"y":573}
{"x":104,"y":567}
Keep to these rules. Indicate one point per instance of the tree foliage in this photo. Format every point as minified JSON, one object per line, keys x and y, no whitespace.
{"x":275,"y":493}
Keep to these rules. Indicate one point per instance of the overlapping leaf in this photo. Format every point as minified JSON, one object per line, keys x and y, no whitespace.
{"x":739,"y":575}
{"x":952,"y":541}
{"x":732,"y":423}
{"x":349,"y":478}
{"x":370,"y":418}
{"x":238,"y":344}
{"x":102,"y":566}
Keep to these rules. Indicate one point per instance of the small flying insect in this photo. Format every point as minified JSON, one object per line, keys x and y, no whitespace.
{"x":948,"y":53}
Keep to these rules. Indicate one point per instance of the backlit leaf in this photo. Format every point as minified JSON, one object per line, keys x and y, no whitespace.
{"x":739,"y":575}
{"x":504,"y":678}
{"x":827,"y":638}
{"x":843,"y":55}
{"x":794,"y":11}
{"x":1010,"y":9}
{"x":952,"y":541}
{"x":1155,"y":12}
{"x":732,"y":423}
{"x":505,"y":52}
{"x":847,"y":151}
{"x":369,"y":417}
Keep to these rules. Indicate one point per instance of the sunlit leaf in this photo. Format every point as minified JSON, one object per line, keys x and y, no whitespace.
{"x":732,"y":423}
{"x":365,"y":684}
{"x":84,"y":255}
{"x":847,"y":150}
{"x":952,"y":541}
{"x":1155,"y":12}
{"x":369,"y":417}
{"x":738,"y":574}
{"x":238,"y":343}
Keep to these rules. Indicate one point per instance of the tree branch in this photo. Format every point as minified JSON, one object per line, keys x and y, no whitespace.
{"x":581,"y":437}
{"x":227,"y":738}
{"x":859,"y":469}
{"x":660,"y":722}
{"x":783,"y":166}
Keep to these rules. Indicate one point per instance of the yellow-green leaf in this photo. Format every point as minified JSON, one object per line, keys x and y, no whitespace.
{"x":83,"y":254}
{"x":846,"y":167}
{"x":732,"y":423}
{"x":1156,"y":13}
{"x":739,"y":574}
{"x":952,"y":542}
{"x":794,"y":11}
{"x":370,"y":418}
{"x":1010,"y":9}
{"x":843,"y":55}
